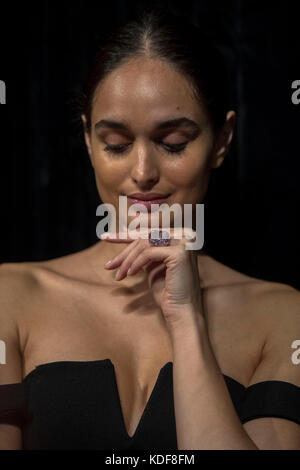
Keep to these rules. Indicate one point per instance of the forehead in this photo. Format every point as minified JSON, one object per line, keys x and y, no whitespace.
{"x":145,"y":90}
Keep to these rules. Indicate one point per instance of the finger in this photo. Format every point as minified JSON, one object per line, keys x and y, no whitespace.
{"x":120,"y":258}
{"x":149,"y":254}
{"x":156,"y":271}
{"x":126,"y":261}
{"x":152,"y":265}
{"x":114,"y":262}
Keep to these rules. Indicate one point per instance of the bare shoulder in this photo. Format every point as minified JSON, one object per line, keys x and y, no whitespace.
{"x":277,"y":314}
{"x":274,"y":302}
{"x":24,"y":286}
{"x":17,"y":281}
{"x":74,"y":266}
{"x":22,"y":283}
{"x":274,"y":310}
{"x":269,"y":305}
{"x":241,"y":294}
{"x":71,"y":267}
{"x":278,"y":307}
{"x":267,"y":298}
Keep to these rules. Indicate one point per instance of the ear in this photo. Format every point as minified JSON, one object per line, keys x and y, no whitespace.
{"x":223,"y":140}
{"x":87,"y":138}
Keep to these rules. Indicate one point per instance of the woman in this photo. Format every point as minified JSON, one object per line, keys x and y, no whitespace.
{"x":183,"y":352}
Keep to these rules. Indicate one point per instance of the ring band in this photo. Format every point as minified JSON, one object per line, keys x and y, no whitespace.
{"x":156,"y":238}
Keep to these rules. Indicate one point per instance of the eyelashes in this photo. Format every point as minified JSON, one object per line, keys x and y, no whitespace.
{"x":171,"y":149}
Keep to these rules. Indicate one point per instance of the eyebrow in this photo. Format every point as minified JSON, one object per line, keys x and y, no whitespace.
{"x":171,"y":123}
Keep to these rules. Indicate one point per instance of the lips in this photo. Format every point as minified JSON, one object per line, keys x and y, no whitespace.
{"x":148,"y":196}
{"x":148,"y":203}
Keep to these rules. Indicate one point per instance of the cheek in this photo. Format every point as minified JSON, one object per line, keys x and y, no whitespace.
{"x":200,"y":165}
{"x":189,"y":170}
{"x":109,"y":174}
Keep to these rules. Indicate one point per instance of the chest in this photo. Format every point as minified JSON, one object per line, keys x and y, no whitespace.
{"x":128,"y":329}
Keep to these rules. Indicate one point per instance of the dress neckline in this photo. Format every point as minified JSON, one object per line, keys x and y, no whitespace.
{"x":108,"y":363}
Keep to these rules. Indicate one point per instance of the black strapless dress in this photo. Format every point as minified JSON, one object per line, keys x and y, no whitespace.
{"x":76,"y":405}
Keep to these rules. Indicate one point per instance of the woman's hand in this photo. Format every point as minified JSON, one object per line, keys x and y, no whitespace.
{"x":173,"y":275}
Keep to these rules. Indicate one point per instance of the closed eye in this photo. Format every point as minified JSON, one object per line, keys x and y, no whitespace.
{"x":170,"y":148}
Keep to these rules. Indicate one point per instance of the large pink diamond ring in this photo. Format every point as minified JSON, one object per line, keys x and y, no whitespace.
{"x":156,"y":238}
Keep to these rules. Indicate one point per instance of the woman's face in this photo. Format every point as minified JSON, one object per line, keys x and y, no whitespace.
{"x":139,"y":97}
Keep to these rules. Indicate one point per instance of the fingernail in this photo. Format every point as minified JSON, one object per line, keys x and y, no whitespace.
{"x":108,"y":263}
{"x":117,"y":274}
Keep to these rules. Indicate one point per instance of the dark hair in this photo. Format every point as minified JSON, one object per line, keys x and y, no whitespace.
{"x":162,"y":35}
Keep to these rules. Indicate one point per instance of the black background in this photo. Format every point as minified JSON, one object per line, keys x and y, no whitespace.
{"x":48,"y":191}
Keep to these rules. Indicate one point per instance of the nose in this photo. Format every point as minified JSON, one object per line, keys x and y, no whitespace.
{"x":145,"y":170}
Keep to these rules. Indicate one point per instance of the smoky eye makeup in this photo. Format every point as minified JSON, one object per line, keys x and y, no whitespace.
{"x":172,"y":140}
{"x":173,"y":149}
